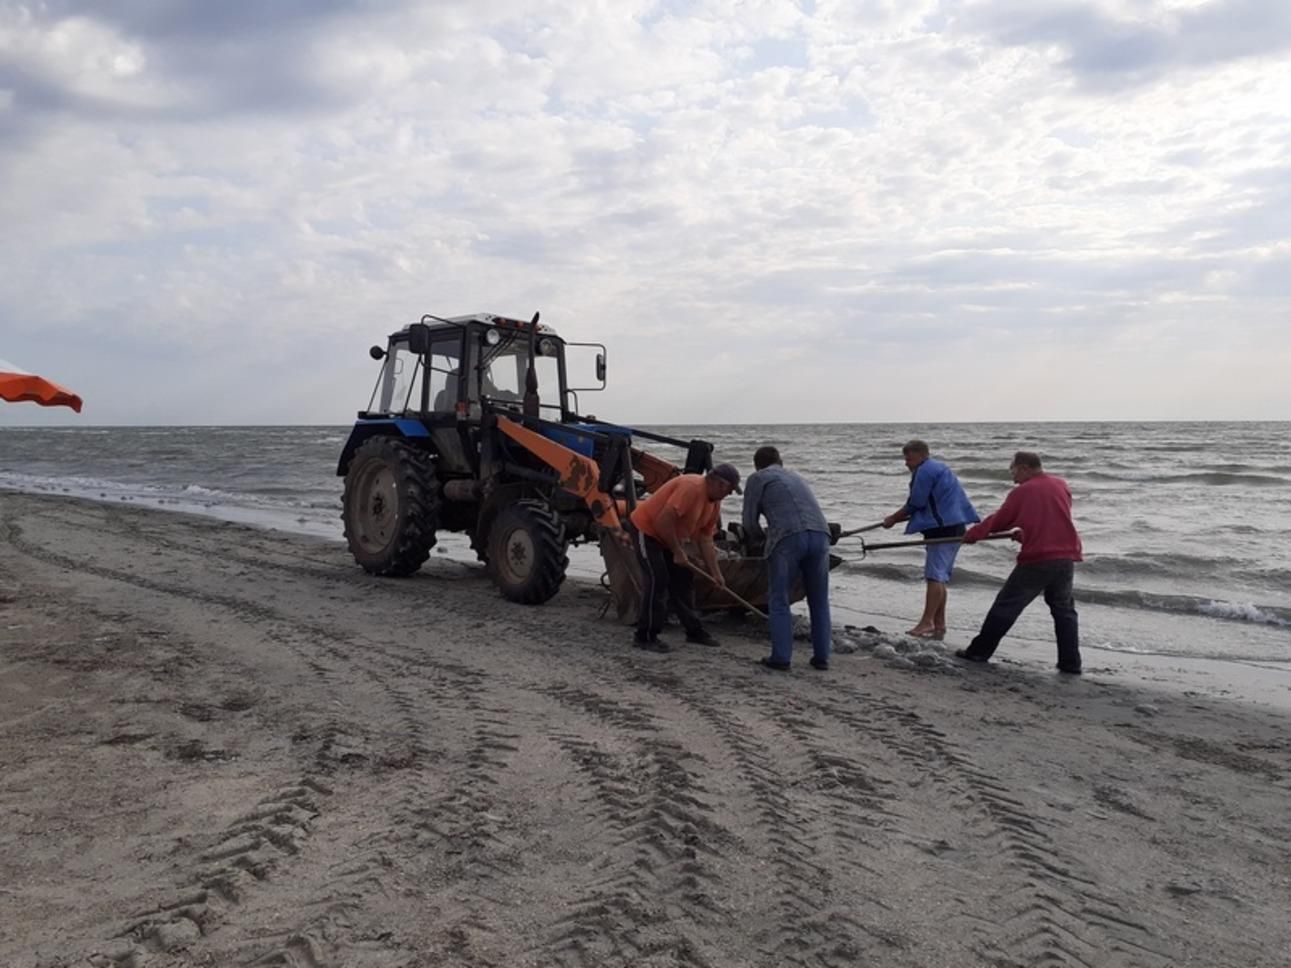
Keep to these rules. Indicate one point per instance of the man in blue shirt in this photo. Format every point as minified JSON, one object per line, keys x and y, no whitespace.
{"x":797,"y":542}
{"x":937,"y":508}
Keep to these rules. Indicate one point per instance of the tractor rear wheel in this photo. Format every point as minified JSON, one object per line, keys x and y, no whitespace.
{"x":526,"y":552}
{"x":390,"y":506}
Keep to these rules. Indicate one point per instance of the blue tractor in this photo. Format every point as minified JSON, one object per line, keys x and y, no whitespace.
{"x":473,"y":427}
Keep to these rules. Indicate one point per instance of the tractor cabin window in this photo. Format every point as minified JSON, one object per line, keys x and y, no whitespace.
{"x":503,"y":376}
{"x":401,"y":386}
{"x":445,"y":365}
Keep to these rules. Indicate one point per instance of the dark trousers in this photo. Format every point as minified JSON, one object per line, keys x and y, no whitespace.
{"x":666,"y":583}
{"x":1053,"y":579}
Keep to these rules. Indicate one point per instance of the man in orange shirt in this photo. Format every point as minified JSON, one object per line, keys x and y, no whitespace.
{"x":687,"y":508}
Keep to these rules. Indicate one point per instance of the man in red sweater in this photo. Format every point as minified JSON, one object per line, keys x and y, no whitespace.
{"x":1040,"y":508}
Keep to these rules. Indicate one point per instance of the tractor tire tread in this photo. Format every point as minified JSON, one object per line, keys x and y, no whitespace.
{"x":414,"y":472}
{"x":547,"y":532}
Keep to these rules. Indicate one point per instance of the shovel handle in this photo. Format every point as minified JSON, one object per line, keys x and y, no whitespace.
{"x":868,"y":527}
{"x":930,"y":541}
{"x":750,"y":606}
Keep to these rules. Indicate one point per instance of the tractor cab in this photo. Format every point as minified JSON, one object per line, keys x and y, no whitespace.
{"x":464,"y":367}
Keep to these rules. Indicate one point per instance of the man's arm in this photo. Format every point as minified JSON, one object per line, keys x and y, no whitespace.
{"x":920,"y":491}
{"x":709,"y":553}
{"x":900,"y":514}
{"x":1003,"y":519}
{"x":753,"y":508}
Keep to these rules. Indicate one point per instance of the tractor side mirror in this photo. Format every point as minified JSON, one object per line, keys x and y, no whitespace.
{"x":418,"y":338}
{"x":579,"y":359}
{"x":377,"y":353}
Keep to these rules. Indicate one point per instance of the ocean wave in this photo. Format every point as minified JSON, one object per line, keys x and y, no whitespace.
{"x":74,"y":484}
{"x":1145,"y":526}
{"x":1222,"y":479}
{"x":1247,"y":612}
{"x":1261,"y":530}
{"x":1165,"y":566}
{"x":1108,"y":476}
{"x":1126,"y":648}
{"x":912,"y":572}
{"x":1160,"y":564}
{"x":1273,"y":615}
{"x":198,"y":490}
{"x":967,"y":576}
{"x":1234,"y":467}
{"x":1212,"y":478}
{"x":882,"y":572}
{"x":983,"y":474}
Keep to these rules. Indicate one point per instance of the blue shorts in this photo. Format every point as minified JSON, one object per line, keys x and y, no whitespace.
{"x":940,"y":561}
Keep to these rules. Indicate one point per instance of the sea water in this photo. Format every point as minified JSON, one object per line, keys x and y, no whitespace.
{"x":1185,"y":525}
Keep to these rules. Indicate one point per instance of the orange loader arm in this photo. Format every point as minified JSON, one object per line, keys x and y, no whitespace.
{"x":655,"y":471}
{"x":578,"y":474}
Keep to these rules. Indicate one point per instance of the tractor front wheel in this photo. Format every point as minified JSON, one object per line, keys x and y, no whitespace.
{"x":390,"y":506}
{"x":526,"y":552}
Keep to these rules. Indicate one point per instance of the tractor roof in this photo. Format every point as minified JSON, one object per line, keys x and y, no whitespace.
{"x":489,"y":319}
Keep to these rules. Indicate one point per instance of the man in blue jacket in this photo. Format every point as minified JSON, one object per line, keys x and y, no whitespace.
{"x":937,"y":508}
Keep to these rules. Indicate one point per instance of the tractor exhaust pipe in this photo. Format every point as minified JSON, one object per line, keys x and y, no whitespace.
{"x":530,"y":405}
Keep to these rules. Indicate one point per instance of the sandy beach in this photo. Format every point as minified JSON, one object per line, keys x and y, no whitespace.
{"x":227,"y":746}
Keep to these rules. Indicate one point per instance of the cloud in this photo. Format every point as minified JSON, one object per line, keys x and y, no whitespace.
{"x":766,"y":210}
{"x":1109,"y":46}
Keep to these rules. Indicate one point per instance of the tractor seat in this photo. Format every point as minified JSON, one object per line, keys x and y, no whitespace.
{"x":446,"y":399}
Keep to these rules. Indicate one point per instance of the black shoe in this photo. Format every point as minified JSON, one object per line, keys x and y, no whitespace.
{"x":965,"y":654}
{"x":1070,"y":670}
{"x":821,"y":664}
{"x":652,"y":644}
{"x":703,"y":638}
{"x":773,"y":664}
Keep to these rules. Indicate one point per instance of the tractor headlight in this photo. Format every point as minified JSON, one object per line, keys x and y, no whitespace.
{"x":546,"y":347}
{"x":492,"y":337}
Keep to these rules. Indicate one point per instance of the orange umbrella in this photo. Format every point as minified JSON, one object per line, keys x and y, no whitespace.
{"x":16,"y":385}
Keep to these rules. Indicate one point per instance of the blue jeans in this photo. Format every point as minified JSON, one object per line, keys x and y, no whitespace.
{"x":806,"y":552}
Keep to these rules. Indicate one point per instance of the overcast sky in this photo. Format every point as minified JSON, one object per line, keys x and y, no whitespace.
{"x":871,"y":210}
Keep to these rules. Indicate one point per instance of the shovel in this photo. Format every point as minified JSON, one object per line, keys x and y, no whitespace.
{"x":836,"y":531}
{"x":751,"y":607}
{"x":867,"y":548}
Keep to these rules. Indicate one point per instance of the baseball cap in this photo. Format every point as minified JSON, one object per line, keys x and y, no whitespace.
{"x":730,"y":475}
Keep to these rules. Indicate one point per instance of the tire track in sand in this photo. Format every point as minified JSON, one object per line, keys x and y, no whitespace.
{"x":656,"y":878}
{"x":245,"y":853}
{"x":1052,"y":911}
{"x":809,"y":923}
{"x":447,"y":839}
{"x":456,"y":824}
{"x":221,"y":872}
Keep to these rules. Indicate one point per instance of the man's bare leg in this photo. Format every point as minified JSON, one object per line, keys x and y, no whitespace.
{"x":934,"y":610}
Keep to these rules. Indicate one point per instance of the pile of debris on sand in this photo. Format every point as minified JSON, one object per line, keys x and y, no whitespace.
{"x":900,"y":651}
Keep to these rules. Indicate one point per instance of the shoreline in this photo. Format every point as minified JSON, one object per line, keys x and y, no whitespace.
{"x":224,"y":745}
{"x":1238,"y":679}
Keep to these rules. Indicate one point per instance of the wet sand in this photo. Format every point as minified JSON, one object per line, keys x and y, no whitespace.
{"x":225,"y":746}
